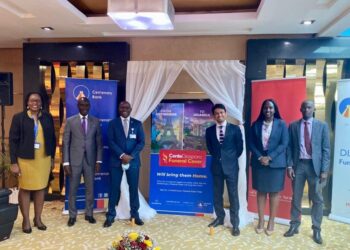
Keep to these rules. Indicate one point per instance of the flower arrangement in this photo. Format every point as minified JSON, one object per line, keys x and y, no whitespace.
{"x":133,"y":241}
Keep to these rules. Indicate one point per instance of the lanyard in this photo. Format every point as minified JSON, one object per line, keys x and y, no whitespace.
{"x":36,"y":129}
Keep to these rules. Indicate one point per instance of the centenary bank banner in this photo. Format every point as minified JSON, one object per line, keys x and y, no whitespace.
{"x":180,"y":178}
{"x":288,"y":94}
{"x":103,"y":101}
{"x":341,"y":166}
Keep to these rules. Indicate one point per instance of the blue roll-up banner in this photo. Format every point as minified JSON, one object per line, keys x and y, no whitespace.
{"x":180,"y":178}
{"x":341,"y":164}
{"x":103,"y":101}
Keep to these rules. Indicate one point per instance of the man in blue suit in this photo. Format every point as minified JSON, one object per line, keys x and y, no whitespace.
{"x":126,"y":140}
{"x":225,"y":144}
{"x":308,"y":160}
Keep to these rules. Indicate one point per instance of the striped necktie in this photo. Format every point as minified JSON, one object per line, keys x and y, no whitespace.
{"x":221,"y":134}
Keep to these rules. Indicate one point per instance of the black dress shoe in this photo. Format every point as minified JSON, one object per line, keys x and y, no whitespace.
{"x":138,"y":221}
{"x":90,"y":219}
{"x":27,"y":231}
{"x":235,"y":231}
{"x":108,"y":223}
{"x":293,"y":229}
{"x":71,"y":222}
{"x":317,"y":236}
{"x":42,"y":227}
{"x":216,"y":222}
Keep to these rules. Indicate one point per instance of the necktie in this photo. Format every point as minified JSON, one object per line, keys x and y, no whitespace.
{"x":221,"y":134}
{"x":307,"y":140}
{"x":83,"y":125}
{"x":125,"y":127}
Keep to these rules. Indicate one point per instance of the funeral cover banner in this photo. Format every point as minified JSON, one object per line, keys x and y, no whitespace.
{"x":180,"y":178}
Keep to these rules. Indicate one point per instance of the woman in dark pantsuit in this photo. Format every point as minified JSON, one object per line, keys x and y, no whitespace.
{"x":268,"y":144}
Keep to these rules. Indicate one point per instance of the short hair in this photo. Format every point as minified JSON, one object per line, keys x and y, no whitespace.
{"x":307,"y":101}
{"x":122,"y":102}
{"x":84,"y":99}
{"x":218,"y":106}
{"x":261,"y":116}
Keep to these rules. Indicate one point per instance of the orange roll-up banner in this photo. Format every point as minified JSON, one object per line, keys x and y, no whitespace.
{"x":288,"y":94}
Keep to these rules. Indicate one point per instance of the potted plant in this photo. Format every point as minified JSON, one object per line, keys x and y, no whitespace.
{"x":8,"y":180}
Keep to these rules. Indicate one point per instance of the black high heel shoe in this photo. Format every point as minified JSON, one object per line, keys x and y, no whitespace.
{"x":27,"y":231}
{"x":42,"y":227}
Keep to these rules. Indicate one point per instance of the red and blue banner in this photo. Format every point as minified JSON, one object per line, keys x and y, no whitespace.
{"x":180,"y":178}
{"x":103,"y":105}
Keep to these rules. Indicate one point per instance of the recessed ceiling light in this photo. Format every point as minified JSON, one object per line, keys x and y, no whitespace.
{"x":307,"y":22}
{"x":79,"y":46}
{"x":47,"y":28}
{"x":287,"y":43}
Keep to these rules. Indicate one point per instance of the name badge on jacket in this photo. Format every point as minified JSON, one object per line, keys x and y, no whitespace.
{"x":132,"y":135}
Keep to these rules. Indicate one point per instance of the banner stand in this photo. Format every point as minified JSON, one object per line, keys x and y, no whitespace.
{"x":341,"y":165}
{"x":101,"y":93}
{"x":288,"y":94}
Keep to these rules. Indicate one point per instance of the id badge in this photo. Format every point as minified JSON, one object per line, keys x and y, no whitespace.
{"x":132,"y":136}
{"x":36,"y":145}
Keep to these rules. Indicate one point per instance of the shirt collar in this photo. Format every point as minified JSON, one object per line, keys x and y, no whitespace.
{"x":81,"y":116}
{"x":309,"y":121}
{"x":128,"y":118}
{"x":30,"y":114}
{"x":222,"y":124}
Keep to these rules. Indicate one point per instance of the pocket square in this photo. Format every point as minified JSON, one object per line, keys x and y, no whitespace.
{"x":125,"y":166}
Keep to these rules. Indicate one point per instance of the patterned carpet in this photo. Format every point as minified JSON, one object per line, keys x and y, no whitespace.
{"x":171,"y":233}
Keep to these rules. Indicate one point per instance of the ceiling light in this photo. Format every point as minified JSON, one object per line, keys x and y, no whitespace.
{"x":307,"y":22}
{"x":47,"y":28}
{"x":142,"y":14}
{"x":79,"y":46}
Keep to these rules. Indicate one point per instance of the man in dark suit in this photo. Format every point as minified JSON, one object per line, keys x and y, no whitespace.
{"x":82,"y":153}
{"x":225,"y":144}
{"x":126,"y":140}
{"x":308,"y":160}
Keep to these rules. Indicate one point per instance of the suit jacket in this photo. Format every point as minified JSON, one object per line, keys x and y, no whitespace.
{"x":225,"y":155}
{"x":277,"y":144}
{"x":319,"y":143}
{"x":75,"y":143}
{"x":119,"y":144}
{"x":22,"y":136}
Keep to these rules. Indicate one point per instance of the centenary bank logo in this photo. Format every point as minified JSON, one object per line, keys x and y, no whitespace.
{"x":81,"y":91}
{"x":344,"y":107}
